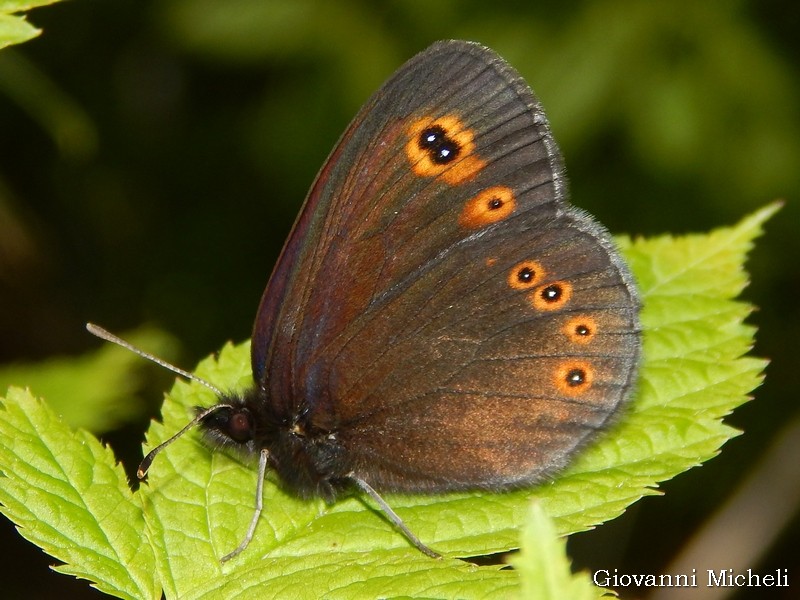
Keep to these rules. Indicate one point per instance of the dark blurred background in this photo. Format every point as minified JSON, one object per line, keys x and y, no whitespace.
{"x":154,"y":156}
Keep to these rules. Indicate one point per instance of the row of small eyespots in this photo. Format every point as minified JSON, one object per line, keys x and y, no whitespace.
{"x":433,"y":146}
{"x":572,"y":377}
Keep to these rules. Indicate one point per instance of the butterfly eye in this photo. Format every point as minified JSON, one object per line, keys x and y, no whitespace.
{"x":230,"y":424}
{"x":240,"y":427}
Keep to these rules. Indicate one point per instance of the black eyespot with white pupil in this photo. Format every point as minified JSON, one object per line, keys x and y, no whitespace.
{"x":525,"y":275}
{"x":552,"y":293}
{"x":441,"y":148}
{"x":576,"y":377}
{"x":494,"y":204}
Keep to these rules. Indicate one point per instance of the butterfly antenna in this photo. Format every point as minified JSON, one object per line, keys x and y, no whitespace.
{"x":103,"y":334}
{"x":144,"y":466}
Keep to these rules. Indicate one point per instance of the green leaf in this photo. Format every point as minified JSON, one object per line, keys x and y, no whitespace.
{"x":197,"y":503}
{"x":14,"y":29}
{"x":543,"y":565}
{"x":695,"y":372}
{"x":65,"y":493}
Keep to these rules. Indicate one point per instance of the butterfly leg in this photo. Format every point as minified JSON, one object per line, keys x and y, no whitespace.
{"x":393,"y":516}
{"x":262,"y":469}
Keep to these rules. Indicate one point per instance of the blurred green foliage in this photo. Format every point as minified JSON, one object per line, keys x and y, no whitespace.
{"x":128,"y":120}
{"x":98,"y":391}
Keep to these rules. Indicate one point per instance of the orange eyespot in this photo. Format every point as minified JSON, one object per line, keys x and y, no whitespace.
{"x":581,"y":329}
{"x":525,"y":275}
{"x":488,"y":206}
{"x":551,"y":296}
{"x":573,"y":378}
{"x":443,"y":147}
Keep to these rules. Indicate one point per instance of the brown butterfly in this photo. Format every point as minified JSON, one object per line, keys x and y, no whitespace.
{"x":440,"y":318}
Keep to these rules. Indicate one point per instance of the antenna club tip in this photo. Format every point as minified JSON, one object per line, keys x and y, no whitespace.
{"x":141,"y":473}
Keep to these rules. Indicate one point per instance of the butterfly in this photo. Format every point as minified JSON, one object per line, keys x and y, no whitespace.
{"x":440,"y":318}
